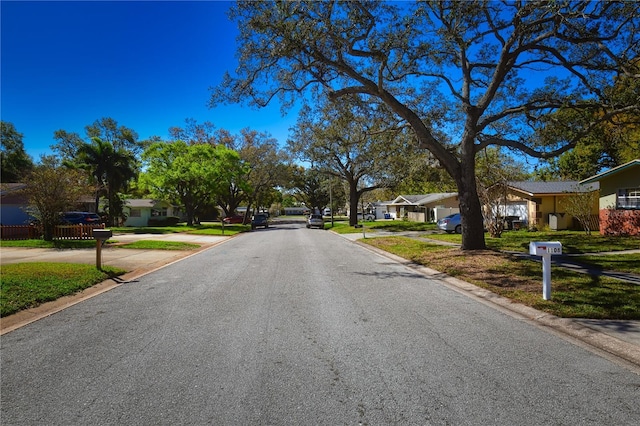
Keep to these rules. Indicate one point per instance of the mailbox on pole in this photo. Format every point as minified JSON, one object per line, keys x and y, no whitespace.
{"x":100,"y":235}
{"x":545,"y":249}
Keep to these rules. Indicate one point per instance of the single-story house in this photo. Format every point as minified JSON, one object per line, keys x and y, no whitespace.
{"x":619,"y":201}
{"x":539,"y":204}
{"x":424,"y":208}
{"x":139,"y":211}
{"x":13,"y":204}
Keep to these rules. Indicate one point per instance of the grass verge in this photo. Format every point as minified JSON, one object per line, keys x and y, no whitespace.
{"x":205,"y":228}
{"x":621,"y":262}
{"x":573,"y":295}
{"x":343,"y":227}
{"x":573,"y":242}
{"x":26,"y":285}
{"x":159,"y":245}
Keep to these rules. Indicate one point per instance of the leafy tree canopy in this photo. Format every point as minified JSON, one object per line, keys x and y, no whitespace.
{"x":190,"y":175}
{"x":105,"y":129}
{"x":481,"y":73}
{"x":15,"y":162}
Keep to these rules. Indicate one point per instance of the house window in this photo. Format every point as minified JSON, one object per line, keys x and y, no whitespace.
{"x":628,"y":198}
{"x":159,"y":212}
{"x":135,"y":213}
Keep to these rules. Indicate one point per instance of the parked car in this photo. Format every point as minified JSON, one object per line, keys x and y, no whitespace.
{"x":233,"y":219}
{"x":367,"y":216}
{"x":81,"y":218}
{"x":315,"y":220}
{"x":451,"y":224}
{"x":259,"y":220}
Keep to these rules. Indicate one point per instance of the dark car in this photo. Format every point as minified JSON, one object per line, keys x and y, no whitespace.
{"x":233,"y":219}
{"x":259,"y":220}
{"x":81,"y":218}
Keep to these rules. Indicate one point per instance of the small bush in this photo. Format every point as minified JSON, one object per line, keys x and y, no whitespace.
{"x":163,"y":221}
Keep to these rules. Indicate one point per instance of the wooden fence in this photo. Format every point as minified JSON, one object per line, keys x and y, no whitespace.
{"x":60,"y":232}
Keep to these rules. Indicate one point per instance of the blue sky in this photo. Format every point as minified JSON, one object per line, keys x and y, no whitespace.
{"x":148,"y":64}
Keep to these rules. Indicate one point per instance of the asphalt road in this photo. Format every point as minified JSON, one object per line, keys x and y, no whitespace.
{"x":289,"y":326}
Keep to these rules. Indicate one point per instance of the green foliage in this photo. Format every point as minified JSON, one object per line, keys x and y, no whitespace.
{"x":163,"y":221}
{"x":52,"y":189}
{"x":15,"y":163}
{"x":462,"y":75}
{"x":111,"y":168}
{"x":26,"y":285}
{"x":159,"y":245}
{"x":573,"y":242}
{"x":191,"y":175}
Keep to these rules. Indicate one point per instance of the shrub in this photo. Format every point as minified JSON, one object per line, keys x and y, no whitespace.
{"x":163,"y":221}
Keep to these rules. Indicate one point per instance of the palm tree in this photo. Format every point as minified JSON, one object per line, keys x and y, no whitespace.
{"x":112,"y":170}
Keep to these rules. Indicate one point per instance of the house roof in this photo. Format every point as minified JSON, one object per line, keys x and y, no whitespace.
{"x":420,"y":200}
{"x":8,"y":188}
{"x":612,"y":171}
{"x":551,"y":188}
{"x":139,"y":203}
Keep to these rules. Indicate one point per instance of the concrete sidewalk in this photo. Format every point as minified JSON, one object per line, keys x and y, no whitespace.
{"x":136,"y":261}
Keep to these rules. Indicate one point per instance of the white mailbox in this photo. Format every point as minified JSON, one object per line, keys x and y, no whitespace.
{"x":541,"y":248}
{"x":545,"y":249}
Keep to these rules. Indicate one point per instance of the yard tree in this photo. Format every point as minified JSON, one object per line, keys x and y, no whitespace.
{"x":310,"y":186}
{"x":608,"y":145}
{"x":111,"y":169}
{"x":480,"y":72}
{"x":189,"y":175}
{"x":494,"y":170}
{"x":105,"y":129}
{"x":15,"y":162}
{"x":353,"y":142}
{"x":52,"y":188}
{"x":194,"y":132}
{"x":265,"y":165}
{"x":579,"y":204}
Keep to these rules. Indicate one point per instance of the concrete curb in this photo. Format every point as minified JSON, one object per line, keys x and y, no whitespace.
{"x":610,"y":347}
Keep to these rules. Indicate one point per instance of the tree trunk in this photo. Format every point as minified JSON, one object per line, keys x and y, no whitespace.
{"x":354,"y":196}
{"x":470,"y":212}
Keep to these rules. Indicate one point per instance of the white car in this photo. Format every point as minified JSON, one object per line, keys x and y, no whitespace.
{"x":367,"y":216}
{"x":315,"y":221}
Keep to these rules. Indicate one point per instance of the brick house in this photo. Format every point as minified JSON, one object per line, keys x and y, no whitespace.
{"x":619,"y":203}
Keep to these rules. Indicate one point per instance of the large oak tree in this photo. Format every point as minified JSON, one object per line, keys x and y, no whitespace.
{"x":482,"y":73}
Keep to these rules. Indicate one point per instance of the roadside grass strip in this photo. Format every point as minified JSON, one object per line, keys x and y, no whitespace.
{"x":573,"y":242}
{"x":159,"y":245}
{"x":26,"y":285}
{"x":619,"y":262}
{"x":573,"y":295}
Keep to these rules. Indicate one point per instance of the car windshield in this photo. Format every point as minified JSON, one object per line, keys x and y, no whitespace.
{"x":316,"y":216}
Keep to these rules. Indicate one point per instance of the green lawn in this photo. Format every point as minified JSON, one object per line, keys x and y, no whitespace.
{"x":620,"y":262}
{"x":25,"y":285}
{"x":572,"y":241}
{"x":343,"y":227}
{"x":573,"y":294}
{"x":159,"y":245}
{"x":205,"y":228}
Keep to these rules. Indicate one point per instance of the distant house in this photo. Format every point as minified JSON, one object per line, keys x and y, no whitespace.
{"x":619,"y":202}
{"x":139,"y":211}
{"x":539,"y":204}
{"x":13,"y":204}
{"x":424,"y":208}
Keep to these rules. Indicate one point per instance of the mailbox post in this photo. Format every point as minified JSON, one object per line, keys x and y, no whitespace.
{"x":545,"y":249}
{"x":100,"y":236}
